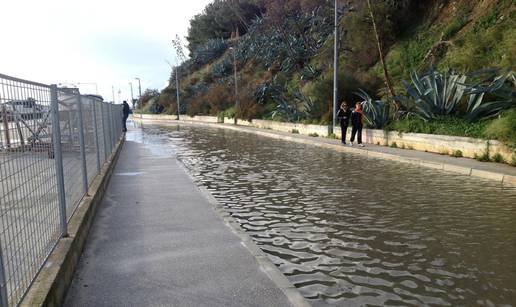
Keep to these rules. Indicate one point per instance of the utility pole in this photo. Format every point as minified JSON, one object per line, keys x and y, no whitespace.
{"x":177,"y":91}
{"x":176,"y":69}
{"x":140,"y":97}
{"x":113,"y":93}
{"x":335,"y":68}
{"x":132,"y":97}
{"x":236,"y":84}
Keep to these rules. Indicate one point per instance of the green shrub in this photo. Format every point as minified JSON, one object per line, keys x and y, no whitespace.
{"x":332,"y":136}
{"x":504,"y":128}
{"x":513,"y":161}
{"x":294,"y":131}
{"x":230,"y":113}
{"x":498,"y":158}
{"x":313,"y":134}
{"x":484,"y":157}
{"x":457,"y":154}
{"x":394,"y":145}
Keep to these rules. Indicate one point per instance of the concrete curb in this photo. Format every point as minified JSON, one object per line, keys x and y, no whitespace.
{"x":504,"y":179}
{"x":50,"y":286}
{"x":290,"y":291}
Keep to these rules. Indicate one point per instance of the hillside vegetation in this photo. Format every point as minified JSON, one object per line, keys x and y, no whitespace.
{"x":448,"y":62}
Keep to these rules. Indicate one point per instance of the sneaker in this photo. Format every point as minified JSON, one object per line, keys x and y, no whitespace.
{"x":361,"y":145}
{"x":351,"y":144}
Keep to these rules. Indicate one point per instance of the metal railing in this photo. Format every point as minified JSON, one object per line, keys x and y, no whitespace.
{"x":53,"y":143}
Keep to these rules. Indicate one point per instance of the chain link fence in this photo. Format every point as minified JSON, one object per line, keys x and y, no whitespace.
{"x":53,"y":143}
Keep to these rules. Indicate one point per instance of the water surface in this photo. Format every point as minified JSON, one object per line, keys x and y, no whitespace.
{"x":349,"y":230}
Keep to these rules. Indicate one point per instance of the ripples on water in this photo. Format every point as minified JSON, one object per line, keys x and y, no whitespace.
{"x":348,"y":230}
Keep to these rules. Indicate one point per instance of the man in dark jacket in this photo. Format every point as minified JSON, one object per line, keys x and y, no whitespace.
{"x":344,"y":115}
{"x":126,"y":111}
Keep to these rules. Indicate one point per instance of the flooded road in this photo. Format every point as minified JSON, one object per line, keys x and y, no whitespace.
{"x":348,"y":230}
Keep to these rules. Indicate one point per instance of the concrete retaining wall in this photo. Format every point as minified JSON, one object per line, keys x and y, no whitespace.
{"x":442,"y":144}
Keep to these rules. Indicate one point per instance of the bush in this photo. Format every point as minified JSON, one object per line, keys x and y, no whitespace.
{"x":498,"y":158}
{"x":294,"y":131}
{"x":313,"y":134}
{"x":457,"y":154}
{"x":504,"y":128}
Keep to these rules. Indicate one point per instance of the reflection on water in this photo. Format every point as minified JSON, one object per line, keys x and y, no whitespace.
{"x":348,"y":230}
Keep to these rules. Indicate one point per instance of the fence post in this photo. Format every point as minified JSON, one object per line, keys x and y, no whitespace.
{"x":96,"y":135}
{"x":103,"y":121}
{"x":109,"y":130}
{"x":82,"y":146}
{"x":4,"y":299}
{"x":58,"y":157}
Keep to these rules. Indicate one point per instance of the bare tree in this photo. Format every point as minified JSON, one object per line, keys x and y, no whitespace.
{"x":387,"y":78}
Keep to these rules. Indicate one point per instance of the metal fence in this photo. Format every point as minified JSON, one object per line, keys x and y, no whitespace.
{"x":53,"y":143}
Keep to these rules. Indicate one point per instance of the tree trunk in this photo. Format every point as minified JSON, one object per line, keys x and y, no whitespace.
{"x":387,"y":78}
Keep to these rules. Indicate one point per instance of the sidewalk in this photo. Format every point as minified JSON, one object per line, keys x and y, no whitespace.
{"x":157,"y":241}
{"x":502,"y":173}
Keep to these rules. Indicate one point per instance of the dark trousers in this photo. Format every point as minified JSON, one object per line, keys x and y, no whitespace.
{"x":124,"y":122}
{"x":343,"y":131}
{"x":354,"y":131}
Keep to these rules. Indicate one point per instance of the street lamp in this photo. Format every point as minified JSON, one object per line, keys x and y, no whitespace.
{"x":177,"y":85}
{"x":140,"y":99}
{"x":236,"y":83}
{"x":132,"y":97}
{"x":335,"y":67}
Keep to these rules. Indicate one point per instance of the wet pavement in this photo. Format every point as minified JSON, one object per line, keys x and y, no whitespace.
{"x":156,"y":241}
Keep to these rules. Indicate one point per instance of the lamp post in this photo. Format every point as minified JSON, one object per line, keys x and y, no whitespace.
{"x":236,"y":83}
{"x":140,"y":97}
{"x":177,"y":85}
{"x":132,"y":97}
{"x":335,"y":67}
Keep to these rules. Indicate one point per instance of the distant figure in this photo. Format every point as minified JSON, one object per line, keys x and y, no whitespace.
{"x":126,"y":113}
{"x":357,"y":121}
{"x":344,"y":115}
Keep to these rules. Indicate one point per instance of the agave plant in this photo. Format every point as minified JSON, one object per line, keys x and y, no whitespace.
{"x":435,"y":94}
{"x":376,"y":112}
{"x":222,"y":68}
{"x":211,"y":50}
{"x":502,"y":88}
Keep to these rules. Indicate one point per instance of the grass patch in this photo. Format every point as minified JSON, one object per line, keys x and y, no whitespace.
{"x":504,"y":128}
{"x":443,"y":126}
{"x":332,"y":136}
{"x":394,"y":145}
{"x":294,"y":131}
{"x":313,"y":134}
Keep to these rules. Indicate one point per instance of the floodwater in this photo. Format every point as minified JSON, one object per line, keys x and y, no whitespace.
{"x":353,"y":231}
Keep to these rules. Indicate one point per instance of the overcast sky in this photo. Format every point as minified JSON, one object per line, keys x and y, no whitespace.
{"x":108,"y":42}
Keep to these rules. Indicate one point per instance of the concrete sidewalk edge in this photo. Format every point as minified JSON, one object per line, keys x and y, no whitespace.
{"x":505,"y":180}
{"x":51,"y":284}
{"x":270,"y":269}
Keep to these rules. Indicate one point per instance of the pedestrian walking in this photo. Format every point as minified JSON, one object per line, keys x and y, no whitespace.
{"x":126,"y":111}
{"x":357,"y":122}
{"x":344,"y":115}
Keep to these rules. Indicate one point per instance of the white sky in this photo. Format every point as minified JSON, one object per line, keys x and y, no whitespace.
{"x":108,"y":42}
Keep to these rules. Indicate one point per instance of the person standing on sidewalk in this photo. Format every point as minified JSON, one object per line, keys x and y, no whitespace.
{"x":126,"y":111}
{"x":357,"y":121}
{"x":344,"y":115}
